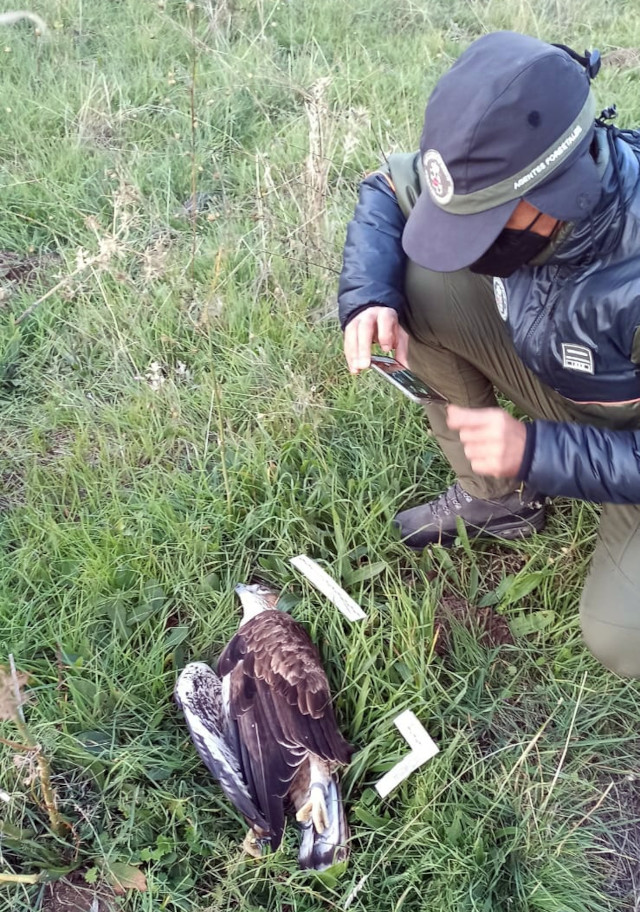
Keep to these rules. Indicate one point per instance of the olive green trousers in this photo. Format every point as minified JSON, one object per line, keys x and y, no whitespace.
{"x":459,"y":344}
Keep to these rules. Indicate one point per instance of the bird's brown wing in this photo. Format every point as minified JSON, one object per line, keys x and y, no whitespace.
{"x":274,"y":650}
{"x":280,"y":699}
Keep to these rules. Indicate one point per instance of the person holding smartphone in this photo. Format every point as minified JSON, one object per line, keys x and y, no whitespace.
{"x":505,"y":255}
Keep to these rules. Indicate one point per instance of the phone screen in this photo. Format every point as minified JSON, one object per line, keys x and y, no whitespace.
{"x":405,"y":380}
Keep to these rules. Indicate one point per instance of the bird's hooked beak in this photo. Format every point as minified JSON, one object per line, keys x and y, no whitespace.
{"x":255,"y":598}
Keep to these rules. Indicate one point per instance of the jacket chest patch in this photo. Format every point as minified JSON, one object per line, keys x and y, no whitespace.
{"x":577,"y":358}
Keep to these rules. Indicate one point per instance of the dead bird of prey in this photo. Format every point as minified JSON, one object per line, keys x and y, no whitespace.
{"x":264,"y":727}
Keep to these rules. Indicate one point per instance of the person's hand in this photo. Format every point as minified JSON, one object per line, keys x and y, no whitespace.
{"x":493,"y":441}
{"x":375,"y":324}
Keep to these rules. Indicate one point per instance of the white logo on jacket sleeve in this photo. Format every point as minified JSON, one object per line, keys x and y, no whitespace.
{"x":577,"y":358}
{"x":439,"y":181}
{"x":500,"y":293}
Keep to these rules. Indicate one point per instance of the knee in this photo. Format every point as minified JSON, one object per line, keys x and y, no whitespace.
{"x":616,"y":647}
{"x":439,"y":304}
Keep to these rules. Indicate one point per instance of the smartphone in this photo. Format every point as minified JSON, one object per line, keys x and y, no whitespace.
{"x":405,"y":380}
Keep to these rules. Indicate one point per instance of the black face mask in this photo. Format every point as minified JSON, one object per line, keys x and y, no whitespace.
{"x":511,"y":249}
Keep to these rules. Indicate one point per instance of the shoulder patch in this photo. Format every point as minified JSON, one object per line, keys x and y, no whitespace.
{"x":500,"y":292}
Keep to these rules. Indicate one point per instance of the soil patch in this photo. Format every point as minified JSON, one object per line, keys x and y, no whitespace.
{"x":25,"y":270}
{"x":497,"y":563}
{"x":623,"y":58}
{"x":74,"y":894}
{"x":489,"y":628}
{"x":619,"y":842}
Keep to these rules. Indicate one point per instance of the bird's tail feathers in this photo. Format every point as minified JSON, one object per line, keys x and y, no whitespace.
{"x":322,"y":850}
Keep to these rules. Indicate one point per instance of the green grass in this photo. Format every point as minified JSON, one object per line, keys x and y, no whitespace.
{"x":129,"y":512}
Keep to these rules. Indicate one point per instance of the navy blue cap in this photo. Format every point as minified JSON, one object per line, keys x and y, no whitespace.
{"x":512,"y":119}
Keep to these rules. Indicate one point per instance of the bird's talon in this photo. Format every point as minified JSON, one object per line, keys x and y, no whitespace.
{"x":321,"y":818}
{"x":305,"y":813}
{"x":251,"y":844}
{"x":315,"y":809}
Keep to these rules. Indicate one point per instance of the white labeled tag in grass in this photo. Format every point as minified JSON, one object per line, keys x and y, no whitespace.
{"x":423,"y":748}
{"x":328,"y":586}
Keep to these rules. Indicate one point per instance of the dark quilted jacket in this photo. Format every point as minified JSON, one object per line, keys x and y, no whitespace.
{"x":574,"y":321}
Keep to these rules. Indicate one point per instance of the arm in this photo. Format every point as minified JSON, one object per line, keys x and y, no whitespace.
{"x":554,"y":458}
{"x":373,"y":261}
{"x":582,"y":461}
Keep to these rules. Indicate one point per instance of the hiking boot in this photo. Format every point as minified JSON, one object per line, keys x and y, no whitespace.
{"x":517,"y":515}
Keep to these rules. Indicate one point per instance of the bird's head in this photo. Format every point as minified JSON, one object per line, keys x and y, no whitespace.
{"x":255,"y":599}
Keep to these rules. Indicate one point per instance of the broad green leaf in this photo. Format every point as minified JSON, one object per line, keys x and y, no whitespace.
{"x":159,"y":773}
{"x":374,"y":821}
{"x":212,"y":582}
{"x":164,"y":846}
{"x":153,"y":593}
{"x":365,"y":572}
{"x":95,"y":742}
{"x":462,"y":537}
{"x":151,"y":601}
{"x":66,"y":568}
{"x":180,"y":656}
{"x":288,"y":601}
{"x":80,"y":687}
{"x":403,"y":670}
{"x":72,"y":659}
{"x":526,"y":624}
{"x":488,"y":599}
{"x":116,"y":610}
{"x":455,"y":829}
{"x":175,"y":636}
{"x":11,"y":831}
{"x":342,"y":562}
{"x":520,"y":586}
{"x":332,"y":876}
{"x":141,"y":613}
{"x":124,"y":578}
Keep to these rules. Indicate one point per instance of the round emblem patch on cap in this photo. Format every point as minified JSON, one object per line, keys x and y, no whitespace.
{"x":439,"y":181}
{"x":500,"y":293}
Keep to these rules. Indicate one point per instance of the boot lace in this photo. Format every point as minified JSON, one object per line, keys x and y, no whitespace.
{"x":450,"y":501}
